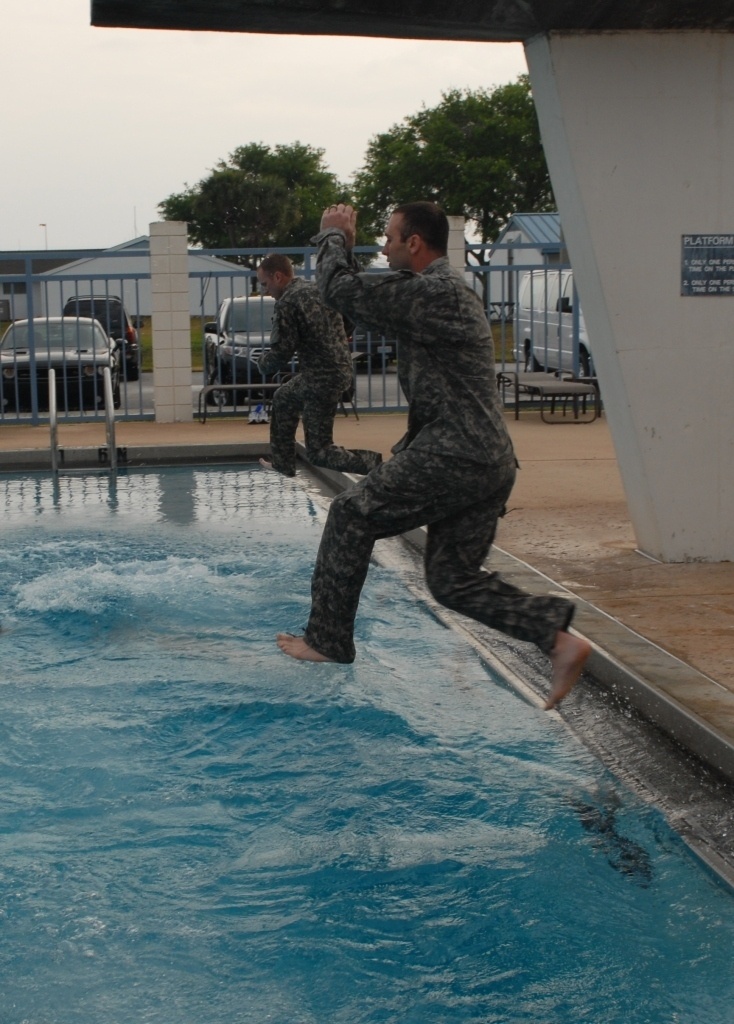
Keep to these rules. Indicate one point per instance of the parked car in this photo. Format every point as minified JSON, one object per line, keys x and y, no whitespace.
{"x":544,"y":324}
{"x":113,"y":316}
{"x":77,"y":348}
{"x":234,"y":342}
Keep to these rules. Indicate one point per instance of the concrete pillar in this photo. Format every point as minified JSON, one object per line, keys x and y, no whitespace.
{"x":638,"y":130}
{"x":171,"y":321}
{"x":456,"y":250}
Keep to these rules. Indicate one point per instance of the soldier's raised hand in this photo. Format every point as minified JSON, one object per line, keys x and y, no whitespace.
{"x":342,"y":216}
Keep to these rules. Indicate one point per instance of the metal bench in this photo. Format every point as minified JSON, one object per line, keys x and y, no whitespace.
{"x":552,"y":388}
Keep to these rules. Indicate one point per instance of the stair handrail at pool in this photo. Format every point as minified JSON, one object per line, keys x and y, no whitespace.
{"x":109,"y":412}
{"x":53,"y":421}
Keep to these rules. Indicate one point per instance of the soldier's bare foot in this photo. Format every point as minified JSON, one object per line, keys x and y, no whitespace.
{"x":296,"y":647}
{"x":567,"y":658}
{"x":265,"y":464}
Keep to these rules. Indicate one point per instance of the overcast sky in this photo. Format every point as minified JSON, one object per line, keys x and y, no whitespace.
{"x":99,"y":125}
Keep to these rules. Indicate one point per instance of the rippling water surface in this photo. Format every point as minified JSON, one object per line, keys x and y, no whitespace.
{"x":196,"y":830}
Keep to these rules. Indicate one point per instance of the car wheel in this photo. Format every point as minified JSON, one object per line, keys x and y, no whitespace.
{"x":531,"y":363}
{"x":90,"y":400}
{"x":584,"y":363}
{"x":218,"y":398}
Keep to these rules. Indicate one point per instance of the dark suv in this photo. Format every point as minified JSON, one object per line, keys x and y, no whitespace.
{"x":233,"y":343}
{"x":113,"y":316}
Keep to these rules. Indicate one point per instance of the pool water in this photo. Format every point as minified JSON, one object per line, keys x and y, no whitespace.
{"x":195,"y":829}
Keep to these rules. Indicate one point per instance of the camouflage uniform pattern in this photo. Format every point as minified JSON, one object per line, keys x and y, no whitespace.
{"x":303,"y":326}
{"x":452,"y":472}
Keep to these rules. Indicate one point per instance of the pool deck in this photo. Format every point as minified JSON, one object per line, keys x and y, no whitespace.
{"x":663,"y":635}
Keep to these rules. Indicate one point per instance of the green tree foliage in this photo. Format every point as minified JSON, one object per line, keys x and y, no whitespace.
{"x":259,"y":198}
{"x":477,"y":153}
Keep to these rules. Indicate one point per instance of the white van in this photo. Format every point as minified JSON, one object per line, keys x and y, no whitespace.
{"x":544,"y":324}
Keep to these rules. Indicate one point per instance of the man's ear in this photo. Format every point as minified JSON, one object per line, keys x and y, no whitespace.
{"x":414,"y":244}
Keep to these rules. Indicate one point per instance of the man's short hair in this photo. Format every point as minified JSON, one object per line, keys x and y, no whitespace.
{"x":427,"y":220}
{"x":277,"y":261}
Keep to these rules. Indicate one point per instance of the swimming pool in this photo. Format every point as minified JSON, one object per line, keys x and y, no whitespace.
{"x":195,"y":828}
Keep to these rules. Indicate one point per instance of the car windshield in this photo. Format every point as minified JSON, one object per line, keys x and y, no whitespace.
{"x":253,"y":315}
{"x":109,"y":313}
{"x":69,"y":334}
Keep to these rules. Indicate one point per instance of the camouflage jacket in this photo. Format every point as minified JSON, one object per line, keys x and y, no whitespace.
{"x":304,"y":326}
{"x":445,"y":349}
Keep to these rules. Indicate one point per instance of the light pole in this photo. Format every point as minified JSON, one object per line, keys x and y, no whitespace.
{"x":45,"y":233}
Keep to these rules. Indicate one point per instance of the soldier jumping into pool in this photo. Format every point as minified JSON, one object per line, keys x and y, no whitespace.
{"x":454,"y":469}
{"x":304,"y":326}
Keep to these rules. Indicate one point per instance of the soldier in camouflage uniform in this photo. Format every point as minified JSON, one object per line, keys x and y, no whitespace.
{"x":303,"y":326}
{"x":454,"y":469}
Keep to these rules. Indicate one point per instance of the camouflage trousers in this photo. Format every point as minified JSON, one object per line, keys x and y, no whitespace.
{"x":316,"y":405}
{"x":460,"y":501}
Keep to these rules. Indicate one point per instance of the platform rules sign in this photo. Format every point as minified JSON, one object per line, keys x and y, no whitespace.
{"x":707,"y":265}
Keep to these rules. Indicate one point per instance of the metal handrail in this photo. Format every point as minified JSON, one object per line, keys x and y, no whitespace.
{"x":109,"y":415}
{"x":53,"y":421}
{"x":109,"y":412}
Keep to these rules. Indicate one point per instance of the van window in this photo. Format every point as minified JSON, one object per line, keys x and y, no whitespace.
{"x":567,"y":294}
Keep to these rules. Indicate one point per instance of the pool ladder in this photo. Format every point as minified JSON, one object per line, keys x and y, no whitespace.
{"x":108,"y":457}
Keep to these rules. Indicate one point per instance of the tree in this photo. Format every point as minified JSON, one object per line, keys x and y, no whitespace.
{"x":259,"y":198}
{"x":477,"y":154}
